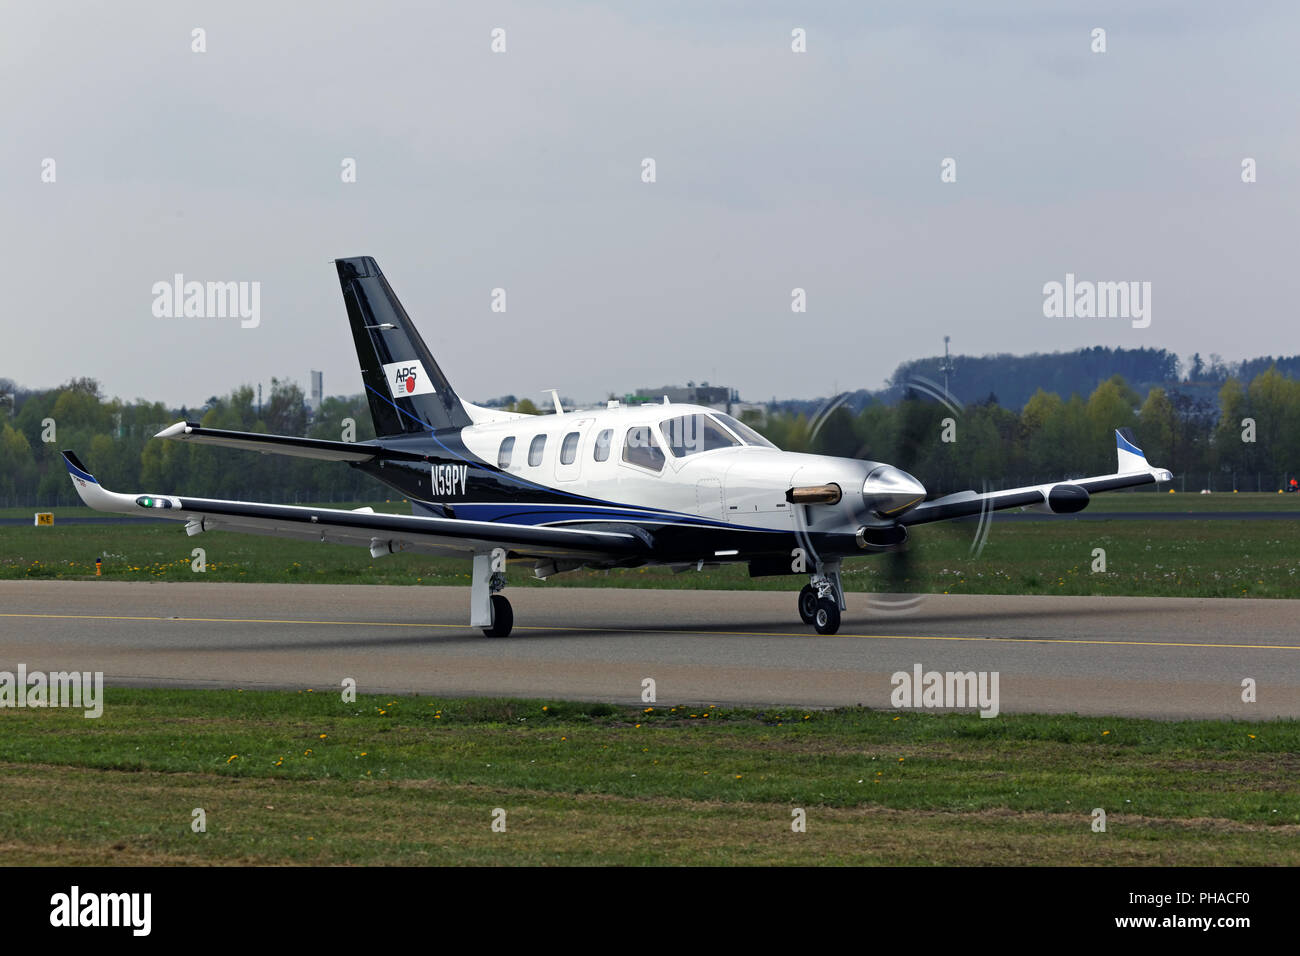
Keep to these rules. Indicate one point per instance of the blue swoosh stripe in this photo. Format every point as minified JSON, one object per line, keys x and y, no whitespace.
{"x":79,"y":473}
{"x":1127,"y":445}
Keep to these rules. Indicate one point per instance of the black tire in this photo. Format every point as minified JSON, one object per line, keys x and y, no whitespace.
{"x":807,"y":603}
{"x":503,"y":618}
{"x":827,"y":619}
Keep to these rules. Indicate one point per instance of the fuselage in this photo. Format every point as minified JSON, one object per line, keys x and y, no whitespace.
{"x":703,"y":485}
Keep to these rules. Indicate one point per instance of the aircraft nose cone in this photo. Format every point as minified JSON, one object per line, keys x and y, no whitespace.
{"x":889,"y":491}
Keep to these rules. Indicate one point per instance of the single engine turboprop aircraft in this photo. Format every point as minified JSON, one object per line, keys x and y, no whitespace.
{"x":614,"y":487}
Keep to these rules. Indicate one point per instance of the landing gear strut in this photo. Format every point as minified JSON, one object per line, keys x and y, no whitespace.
{"x":488,"y":609}
{"x":822,"y":599}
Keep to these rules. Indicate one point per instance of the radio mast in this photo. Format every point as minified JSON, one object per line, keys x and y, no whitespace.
{"x":946,"y":365}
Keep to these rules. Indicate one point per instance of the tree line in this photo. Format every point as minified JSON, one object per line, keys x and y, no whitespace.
{"x":115,"y":441}
{"x":1248,"y":439}
{"x":1014,"y":379}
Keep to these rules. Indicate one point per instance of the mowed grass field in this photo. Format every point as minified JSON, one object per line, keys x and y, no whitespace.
{"x":304,"y":777}
{"x":1184,"y":558}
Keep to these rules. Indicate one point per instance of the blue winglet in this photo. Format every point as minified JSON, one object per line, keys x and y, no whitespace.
{"x":76,"y":468}
{"x":1125,"y":445}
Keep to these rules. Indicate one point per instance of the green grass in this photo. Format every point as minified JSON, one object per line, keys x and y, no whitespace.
{"x":68,"y":512}
{"x":1147,"y":558}
{"x":1193,"y":503}
{"x":307,"y":778}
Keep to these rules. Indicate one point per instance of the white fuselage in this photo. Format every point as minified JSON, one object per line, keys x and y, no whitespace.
{"x":593,"y":454}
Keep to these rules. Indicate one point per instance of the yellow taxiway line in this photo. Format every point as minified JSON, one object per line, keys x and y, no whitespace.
{"x":652,"y":630}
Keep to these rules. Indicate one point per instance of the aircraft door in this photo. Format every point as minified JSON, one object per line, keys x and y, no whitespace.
{"x":708,"y":499}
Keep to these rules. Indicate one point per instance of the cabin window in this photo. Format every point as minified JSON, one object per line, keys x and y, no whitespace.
{"x":603,"y":441}
{"x":640,"y":448}
{"x":535,"y":450}
{"x":569,"y":450}
{"x":507,"y":448}
{"x":689,"y":434}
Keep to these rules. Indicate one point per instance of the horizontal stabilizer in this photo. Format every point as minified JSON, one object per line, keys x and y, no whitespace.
{"x":318,"y":448}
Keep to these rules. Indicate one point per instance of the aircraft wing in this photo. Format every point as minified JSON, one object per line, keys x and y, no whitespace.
{"x":383,"y":534}
{"x":1060,"y":497}
{"x":317,"y":448}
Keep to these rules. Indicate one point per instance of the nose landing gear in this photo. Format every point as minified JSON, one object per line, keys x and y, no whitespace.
{"x":827,"y":618}
{"x":808,"y":603}
{"x":822,"y":599}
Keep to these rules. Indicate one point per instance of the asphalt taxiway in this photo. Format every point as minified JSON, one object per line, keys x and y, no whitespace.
{"x":1150,"y":657}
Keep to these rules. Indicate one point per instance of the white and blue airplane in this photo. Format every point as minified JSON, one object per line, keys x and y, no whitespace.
{"x":613,"y":487}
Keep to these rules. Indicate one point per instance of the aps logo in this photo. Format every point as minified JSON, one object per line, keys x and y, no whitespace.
{"x":407,"y":378}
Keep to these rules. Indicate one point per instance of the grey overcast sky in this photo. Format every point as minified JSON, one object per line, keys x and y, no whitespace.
{"x":522,"y":170}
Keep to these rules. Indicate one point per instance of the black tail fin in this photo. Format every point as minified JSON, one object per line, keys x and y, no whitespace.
{"x":407,"y":391}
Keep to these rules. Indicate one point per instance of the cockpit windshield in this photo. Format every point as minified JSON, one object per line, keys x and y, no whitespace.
{"x":747,"y":434}
{"x":689,"y":434}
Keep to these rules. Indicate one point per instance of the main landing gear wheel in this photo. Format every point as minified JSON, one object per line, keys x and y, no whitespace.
{"x":503,"y":617}
{"x":808,"y":604}
{"x":827,"y":617}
